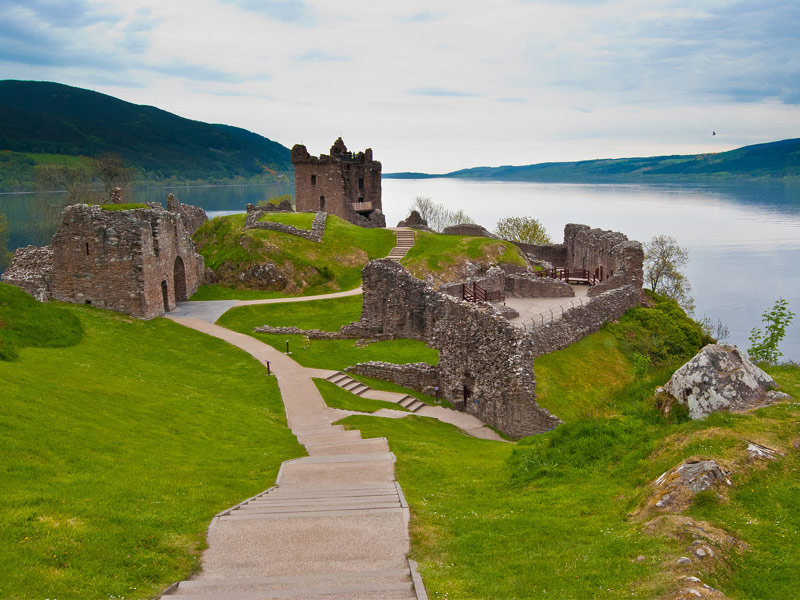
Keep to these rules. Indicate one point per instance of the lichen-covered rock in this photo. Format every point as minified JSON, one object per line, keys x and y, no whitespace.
{"x":720,"y":377}
{"x":674,"y":490}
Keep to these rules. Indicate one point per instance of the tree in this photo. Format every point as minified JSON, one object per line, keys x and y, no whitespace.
{"x":522,"y":229}
{"x":714,"y":329}
{"x":436,"y":215}
{"x":5,"y":255}
{"x":764,"y":344}
{"x":111,"y":171}
{"x":663,"y":260}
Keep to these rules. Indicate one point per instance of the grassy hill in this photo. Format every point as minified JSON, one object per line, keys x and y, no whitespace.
{"x":773,"y":159}
{"x":119,"y":444}
{"x":42,"y":122}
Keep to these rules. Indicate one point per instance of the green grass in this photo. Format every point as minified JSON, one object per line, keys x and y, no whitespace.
{"x":118,"y":450}
{"x":336,"y":397}
{"x":122,"y":206}
{"x":551,"y":516}
{"x":309,"y":267}
{"x":24,"y":323}
{"x":299,"y":220}
{"x":388,"y":386}
{"x":435,"y":253}
{"x":580,"y":380}
{"x":219,"y":292}
{"x":326,"y":354}
{"x":327,"y":315}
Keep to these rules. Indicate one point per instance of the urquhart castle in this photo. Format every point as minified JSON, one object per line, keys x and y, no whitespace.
{"x":142,"y":261}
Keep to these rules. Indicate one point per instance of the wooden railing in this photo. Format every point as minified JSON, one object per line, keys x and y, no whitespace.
{"x":476,"y":293}
{"x":571,"y":275}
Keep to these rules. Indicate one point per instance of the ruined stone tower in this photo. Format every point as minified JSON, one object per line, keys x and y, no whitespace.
{"x":343,"y":183}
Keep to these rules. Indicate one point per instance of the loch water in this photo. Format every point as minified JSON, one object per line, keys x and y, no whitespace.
{"x":743,"y":238}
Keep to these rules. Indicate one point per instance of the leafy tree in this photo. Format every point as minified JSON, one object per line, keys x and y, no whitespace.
{"x":5,"y":255}
{"x":663,"y":260}
{"x":764,"y":344}
{"x":75,"y":181}
{"x":522,"y":229}
{"x":714,"y":329}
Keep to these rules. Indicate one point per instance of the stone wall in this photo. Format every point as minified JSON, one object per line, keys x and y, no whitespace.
{"x":31,"y":270}
{"x":335,"y":183}
{"x":315,"y":234}
{"x":485,"y":364}
{"x":417,"y":376}
{"x":193,"y":216}
{"x":470,"y":229}
{"x":576,"y":323}
{"x":555,"y":254}
{"x":531,"y":286}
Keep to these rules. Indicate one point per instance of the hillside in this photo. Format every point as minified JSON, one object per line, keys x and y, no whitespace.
{"x":42,"y":118}
{"x":773,"y":159}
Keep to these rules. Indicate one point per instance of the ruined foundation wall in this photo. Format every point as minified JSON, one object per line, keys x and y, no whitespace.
{"x":609,"y":252}
{"x":193,"y":216}
{"x":531,"y":286}
{"x":485,"y":364}
{"x":555,"y":254}
{"x":31,"y":270}
{"x":578,"y":322}
{"x":315,"y":234}
{"x":416,"y":376}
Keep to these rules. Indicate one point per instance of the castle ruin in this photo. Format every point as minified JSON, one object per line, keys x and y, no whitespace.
{"x":139,"y":261}
{"x":343,"y":183}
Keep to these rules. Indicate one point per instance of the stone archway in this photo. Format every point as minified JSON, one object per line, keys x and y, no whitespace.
{"x":165,"y":295}
{"x":179,"y":276}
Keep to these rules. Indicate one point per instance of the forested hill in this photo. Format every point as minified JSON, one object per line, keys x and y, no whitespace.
{"x":51,"y":118}
{"x":774,"y":159}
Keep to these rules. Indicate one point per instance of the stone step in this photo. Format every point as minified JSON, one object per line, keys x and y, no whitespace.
{"x":411,"y":403}
{"x":338,"y":377}
{"x":387,"y":497}
{"x":318,"y":430}
{"x":207,"y":586}
{"x":288,"y":493}
{"x":330,"y":438}
{"x":336,"y":514}
{"x":369,"y":591}
{"x":316,"y":508}
{"x":350,"y":447}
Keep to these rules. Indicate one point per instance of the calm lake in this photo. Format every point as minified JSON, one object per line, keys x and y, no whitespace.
{"x":743,"y":239}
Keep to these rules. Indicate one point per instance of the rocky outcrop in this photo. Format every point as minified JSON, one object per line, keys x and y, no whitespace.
{"x":415,"y":221}
{"x":721,"y":377}
{"x":674,"y":490}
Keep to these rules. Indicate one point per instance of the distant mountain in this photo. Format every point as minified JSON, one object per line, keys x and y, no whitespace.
{"x":51,"y":118}
{"x":774,"y":159}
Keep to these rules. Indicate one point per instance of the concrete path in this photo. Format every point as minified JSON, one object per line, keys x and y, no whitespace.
{"x":534,"y":312}
{"x":336,"y":524}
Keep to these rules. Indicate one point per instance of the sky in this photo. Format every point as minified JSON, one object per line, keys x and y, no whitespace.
{"x":435,"y":86}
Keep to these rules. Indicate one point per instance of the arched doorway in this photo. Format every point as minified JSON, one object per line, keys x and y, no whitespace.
{"x":165,"y":295}
{"x":179,"y":275}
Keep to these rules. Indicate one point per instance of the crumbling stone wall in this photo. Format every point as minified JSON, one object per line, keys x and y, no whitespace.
{"x":315,"y":234}
{"x":140,"y":261}
{"x":470,"y":229}
{"x":576,"y":323}
{"x":417,"y":376}
{"x":485,"y":364}
{"x":193,"y":216}
{"x":555,"y":254}
{"x":531,"y":286}
{"x":31,"y":270}
{"x":342,"y":183}
{"x":414,"y":221}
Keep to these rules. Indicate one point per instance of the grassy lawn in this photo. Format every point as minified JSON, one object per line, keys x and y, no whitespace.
{"x":299,"y":220}
{"x":308,"y":267}
{"x":436,"y":253}
{"x":324,"y":354}
{"x":327,"y":315}
{"x":388,"y":386}
{"x":336,"y":397}
{"x":119,"y":449}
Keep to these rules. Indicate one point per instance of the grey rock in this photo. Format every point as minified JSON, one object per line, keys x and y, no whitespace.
{"x":683,"y":560}
{"x":720,"y":377}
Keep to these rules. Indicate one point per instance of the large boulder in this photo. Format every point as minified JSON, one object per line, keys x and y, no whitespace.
{"x":721,"y":377}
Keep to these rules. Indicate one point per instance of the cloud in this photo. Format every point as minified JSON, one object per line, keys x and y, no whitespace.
{"x":287,"y":11}
{"x":423,"y":17}
{"x":321,"y":56}
{"x":440,"y":92}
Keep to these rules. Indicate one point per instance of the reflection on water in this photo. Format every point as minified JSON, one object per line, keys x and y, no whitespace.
{"x":743,"y":238}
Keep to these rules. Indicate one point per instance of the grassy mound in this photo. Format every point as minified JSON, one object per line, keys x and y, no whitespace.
{"x":306,"y":267}
{"x":443,"y":256}
{"x":299,"y":220}
{"x":24,"y":322}
{"x":117,"y":452}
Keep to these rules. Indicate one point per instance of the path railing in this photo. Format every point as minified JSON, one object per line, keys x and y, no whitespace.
{"x":477,"y":293}
{"x":571,"y":275}
{"x":550,"y":315}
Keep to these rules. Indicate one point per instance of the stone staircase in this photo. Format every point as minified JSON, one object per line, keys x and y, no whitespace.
{"x":405,"y":240}
{"x":344,"y":381}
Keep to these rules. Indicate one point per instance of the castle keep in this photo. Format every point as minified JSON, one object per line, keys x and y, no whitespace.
{"x":139,"y":261}
{"x":343,"y":183}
